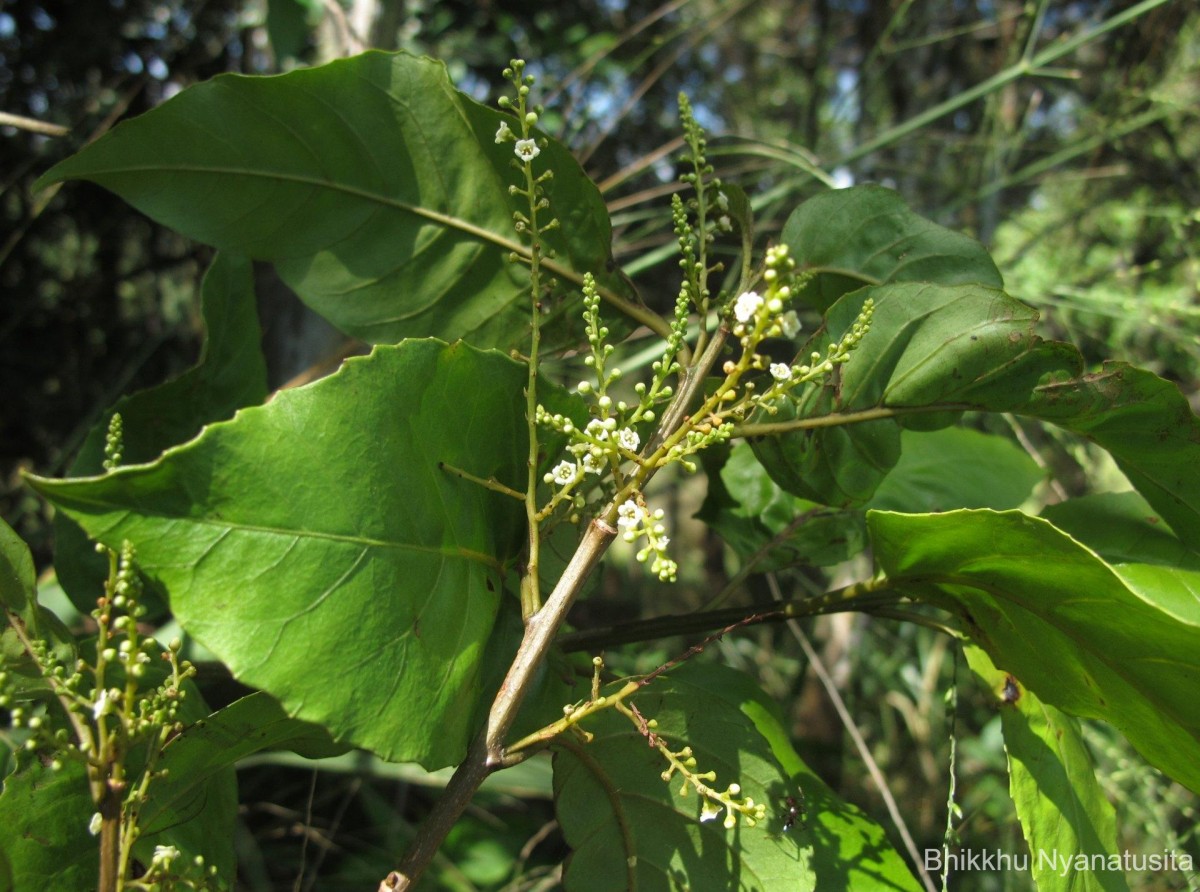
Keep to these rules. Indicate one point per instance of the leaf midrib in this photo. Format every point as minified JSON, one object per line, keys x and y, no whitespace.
{"x":447,"y":220}
{"x":360,"y":541}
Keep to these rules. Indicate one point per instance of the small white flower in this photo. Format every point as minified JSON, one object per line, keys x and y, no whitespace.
{"x":627,"y":438}
{"x":166,"y":854}
{"x":592,"y":464}
{"x":789,"y":324}
{"x":564,"y":473}
{"x":746,"y":306}
{"x":526,"y":149}
{"x":503,"y":135}
{"x":629,"y":515}
{"x":709,"y":811}
{"x":780,"y":372}
{"x":597,"y":430}
{"x":102,"y":706}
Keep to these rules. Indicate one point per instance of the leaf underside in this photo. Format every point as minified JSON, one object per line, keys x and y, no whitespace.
{"x":316,"y":548}
{"x":376,"y":189}
{"x":1114,"y":642}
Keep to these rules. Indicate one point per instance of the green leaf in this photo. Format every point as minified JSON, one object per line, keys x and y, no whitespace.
{"x":629,"y":829}
{"x":314,"y":545}
{"x":17,"y":575}
{"x":1120,"y":644}
{"x":1121,"y":527}
{"x":936,"y":471}
{"x":772,"y":527}
{"x":25,"y":618}
{"x":377,"y":190}
{"x":199,"y":762}
{"x":931,"y":352}
{"x":957,"y":468}
{"x":231,"y":373}
{"x":867,"y":235}
{"x":195,"y":813}
{"x":289,"y":25}
{"x":1146,"y":425}
{"x":1062,"y":809}
{"x":44,"y":817}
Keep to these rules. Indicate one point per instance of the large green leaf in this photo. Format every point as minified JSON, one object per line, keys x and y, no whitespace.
{"x":17,"y":575}
{"x":201,"y":759}
{"x":44,"y":816}
{"x":377,"y":190}
{"x":24,"y":618}
{"x":936,"y":471}
{"x":772,"y":527}
{"x":629,"y":829}
{"x":867,"y":235}
{"x":1122,"y":528}
{"x":1146,"y":425}
{"x":931,"y":352}
{"x":314,"y":545}
{"x":957,"y":468}
{"x":1062,"y":809}
{"x":1119,"y":643}
{"x":935,"y":351}
{"x":230,"y":374}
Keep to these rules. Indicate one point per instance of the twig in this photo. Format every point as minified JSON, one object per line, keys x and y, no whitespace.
{"x":861,"y":596}
{"x":33,"y":125}
{"x":487,"y":751}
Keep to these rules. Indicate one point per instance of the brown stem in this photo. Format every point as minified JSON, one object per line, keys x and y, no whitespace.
{"x":487,"y":751}
{"x":110,"y":841}
{"x":861,"y":596}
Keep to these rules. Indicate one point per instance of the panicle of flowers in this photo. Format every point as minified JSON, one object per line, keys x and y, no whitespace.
{"x":113,"y":442}
{"x":699,"y":220}
{"x":713,"y":801}
{"x":636,"y":522}
{"x":758,"y":316}
{"x":170,"y":870}
{"x":697,"y":439}
{"x":755,"y":317}
{"x":610,"y":437}
{"x":785,"y":377}
{"x":526,"y":147}
{"x":114,"y":707}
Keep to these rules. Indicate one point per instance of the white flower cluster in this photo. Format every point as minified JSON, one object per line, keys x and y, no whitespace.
{"x":638,"y":521}
{"x":590,"y":448}
{"x":715,"y":802}
{"x":759,"y":316}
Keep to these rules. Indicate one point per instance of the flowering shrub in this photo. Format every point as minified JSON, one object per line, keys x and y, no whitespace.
{"x":383,"y":524}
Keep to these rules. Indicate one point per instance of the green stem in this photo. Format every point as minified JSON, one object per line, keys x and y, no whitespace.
{"x":834,"y":419}
{"x":490,"y":483}
{"x":531,"y":599}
